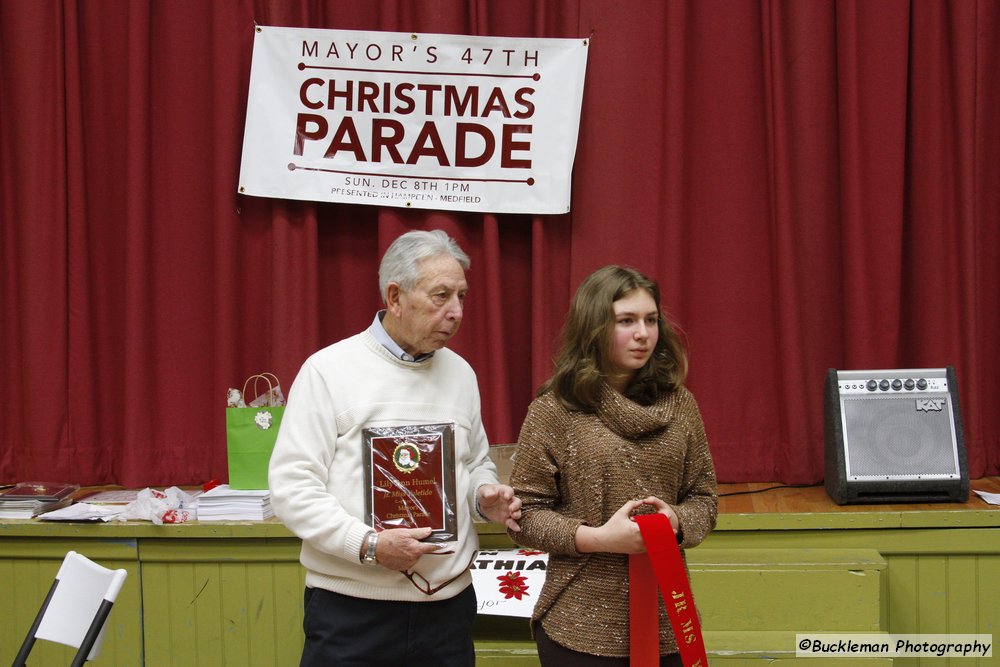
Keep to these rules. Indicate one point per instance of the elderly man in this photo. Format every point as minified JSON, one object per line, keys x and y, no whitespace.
{"x":390,"y":596}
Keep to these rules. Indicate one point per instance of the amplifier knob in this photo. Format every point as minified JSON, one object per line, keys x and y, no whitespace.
{"x":909,"y":384}
{"x":921,"y":384}
{"x":897,"y":384}
{"x":884,"y":385}
{"x":872,"y":385}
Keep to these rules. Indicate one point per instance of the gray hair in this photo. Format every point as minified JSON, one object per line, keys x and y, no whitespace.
{"x":401,"y":262}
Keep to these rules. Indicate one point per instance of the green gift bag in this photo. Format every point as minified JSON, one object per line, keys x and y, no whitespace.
{"x":250,"y":435}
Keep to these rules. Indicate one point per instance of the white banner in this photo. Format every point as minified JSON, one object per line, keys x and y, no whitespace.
{"x":450,"y":122}
{"x":508,"y":581}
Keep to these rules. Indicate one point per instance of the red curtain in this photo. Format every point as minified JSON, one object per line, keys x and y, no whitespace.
{"x":814,"y":184}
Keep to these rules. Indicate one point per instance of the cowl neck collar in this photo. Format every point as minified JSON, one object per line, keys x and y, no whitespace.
{"x":629,"y":419}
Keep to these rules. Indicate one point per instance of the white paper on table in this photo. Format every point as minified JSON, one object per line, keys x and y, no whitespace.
{"x":991,"y":498}
{"x":82,"y":512}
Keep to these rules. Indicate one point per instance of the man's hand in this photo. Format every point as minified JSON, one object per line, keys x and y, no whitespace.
{"x":400,"y":548}
{"x":498,"y":503}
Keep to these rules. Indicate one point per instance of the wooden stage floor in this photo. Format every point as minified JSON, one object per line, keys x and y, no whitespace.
{"x":752,"y":498}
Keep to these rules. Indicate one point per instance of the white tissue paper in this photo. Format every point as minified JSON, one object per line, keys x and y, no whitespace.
{"x":171,"y":505}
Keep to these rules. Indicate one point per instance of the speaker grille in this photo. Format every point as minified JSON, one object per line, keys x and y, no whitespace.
{"x":889,"y":438}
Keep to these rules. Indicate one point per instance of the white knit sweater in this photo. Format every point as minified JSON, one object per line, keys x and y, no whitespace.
{"x":316,"y":472}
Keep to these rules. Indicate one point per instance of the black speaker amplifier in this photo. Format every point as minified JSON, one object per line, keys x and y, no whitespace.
{"x":894,"y":436}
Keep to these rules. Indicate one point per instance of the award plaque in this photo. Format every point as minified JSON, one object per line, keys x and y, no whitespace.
{"x":410,"y":478}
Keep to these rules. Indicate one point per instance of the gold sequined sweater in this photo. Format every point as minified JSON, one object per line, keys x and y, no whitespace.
{"x":573,"y":468}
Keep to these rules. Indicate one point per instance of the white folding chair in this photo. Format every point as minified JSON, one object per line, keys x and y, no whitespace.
{"x":75,"y":609}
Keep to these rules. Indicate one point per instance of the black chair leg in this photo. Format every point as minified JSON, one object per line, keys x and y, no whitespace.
{"x":29,"y":641}
{"x":92,"y":632}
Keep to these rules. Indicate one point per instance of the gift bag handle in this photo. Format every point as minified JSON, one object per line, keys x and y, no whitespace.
{"x":266,"y":377}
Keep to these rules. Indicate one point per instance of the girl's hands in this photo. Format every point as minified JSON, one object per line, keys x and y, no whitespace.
{"x":664,"y":508}
{"x":620,"y":534}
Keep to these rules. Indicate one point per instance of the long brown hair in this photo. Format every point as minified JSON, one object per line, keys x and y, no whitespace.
{"x":582,"y":364}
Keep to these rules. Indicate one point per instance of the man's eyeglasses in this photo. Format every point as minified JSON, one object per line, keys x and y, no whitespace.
{"x":424,"y":586}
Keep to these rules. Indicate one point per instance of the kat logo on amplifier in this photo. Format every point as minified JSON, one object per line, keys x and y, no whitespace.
{"x":930,"y":404}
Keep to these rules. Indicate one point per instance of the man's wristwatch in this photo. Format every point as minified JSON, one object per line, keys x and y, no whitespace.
{"x":371,"y":542}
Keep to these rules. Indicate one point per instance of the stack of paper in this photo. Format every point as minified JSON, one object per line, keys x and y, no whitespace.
{"x":225,"y":504}
{"x":26,"y":500}
{"x":83,"y":512}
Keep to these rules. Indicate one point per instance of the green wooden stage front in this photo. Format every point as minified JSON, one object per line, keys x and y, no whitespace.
{"x":780,"y":561}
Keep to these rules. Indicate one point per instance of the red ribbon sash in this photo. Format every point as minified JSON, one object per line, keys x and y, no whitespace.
{"x":661,"y":564}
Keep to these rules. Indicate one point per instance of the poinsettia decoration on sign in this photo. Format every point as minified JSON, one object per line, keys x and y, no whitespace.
{"x":513,"y":585}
